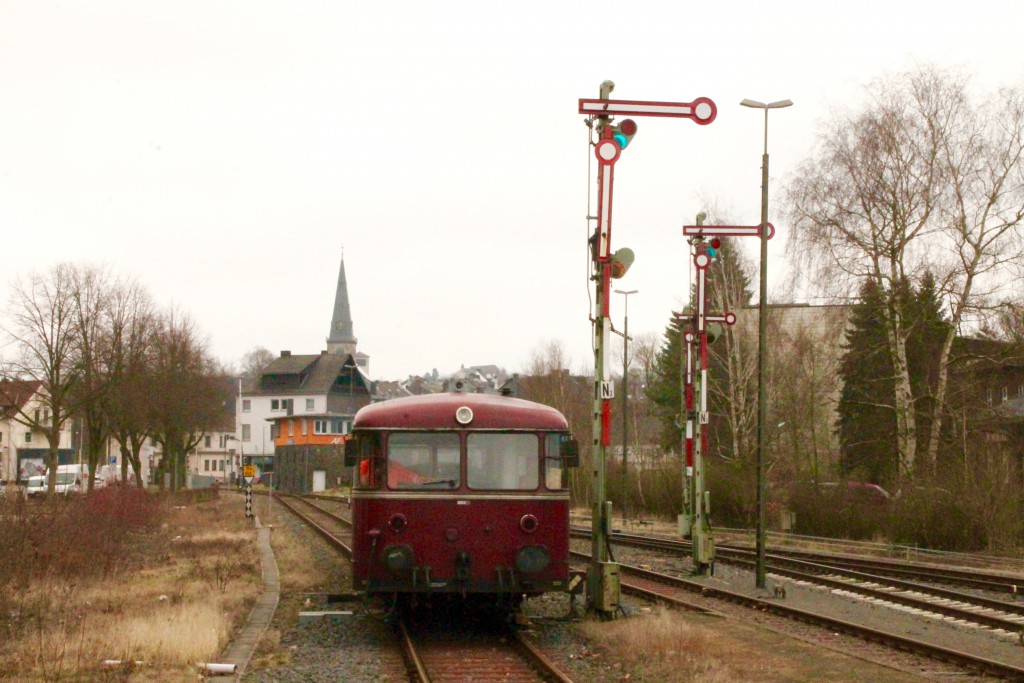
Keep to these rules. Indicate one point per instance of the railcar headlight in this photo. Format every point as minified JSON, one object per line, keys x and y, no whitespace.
{"x":528,"y":524}
{"x":464,"y":415}
{"x":398,"y":558}
{"x":531,"y":559}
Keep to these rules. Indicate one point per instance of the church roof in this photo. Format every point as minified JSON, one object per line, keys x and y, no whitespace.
{"x":341,"y":322}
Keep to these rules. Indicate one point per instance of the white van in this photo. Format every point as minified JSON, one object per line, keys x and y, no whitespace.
{"x":35,"y":486}
{"x":70,"y":479}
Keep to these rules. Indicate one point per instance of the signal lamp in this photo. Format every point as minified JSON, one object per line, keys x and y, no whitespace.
{"x":716,"y":243}
{"x":624,"y":132}
{"x":622,"y":259}
{"x":712,"y":252}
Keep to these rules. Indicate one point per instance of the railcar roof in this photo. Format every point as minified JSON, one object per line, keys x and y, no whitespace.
{"x":437,"y":411}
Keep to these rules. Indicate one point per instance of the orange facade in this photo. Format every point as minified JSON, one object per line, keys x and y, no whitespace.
{"x":314,"y":430}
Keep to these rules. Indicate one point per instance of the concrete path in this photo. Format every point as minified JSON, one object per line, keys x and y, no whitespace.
{"x":239,"y":651}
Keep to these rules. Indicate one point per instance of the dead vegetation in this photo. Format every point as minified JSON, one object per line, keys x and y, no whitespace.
{"x":121,"y":575}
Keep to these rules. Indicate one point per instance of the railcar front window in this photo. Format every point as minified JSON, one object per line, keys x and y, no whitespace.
{"x":502,"y":462}
{"x":553,"y":470}
{"x":423,"y":460}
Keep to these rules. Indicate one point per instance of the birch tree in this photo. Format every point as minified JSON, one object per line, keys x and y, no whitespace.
{"x":920,"y":176}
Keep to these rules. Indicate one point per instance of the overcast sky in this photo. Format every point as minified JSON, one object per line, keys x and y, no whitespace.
{"x":225,"y":153}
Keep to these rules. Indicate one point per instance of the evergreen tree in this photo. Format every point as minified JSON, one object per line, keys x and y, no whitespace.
{"x":867,"y":420}
{"x":928,"y":328}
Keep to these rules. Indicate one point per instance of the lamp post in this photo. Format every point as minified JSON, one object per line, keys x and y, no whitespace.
{"x":625,"y":397}
{"x":762,"y":319}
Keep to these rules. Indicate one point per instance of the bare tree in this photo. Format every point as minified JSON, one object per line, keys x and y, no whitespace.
{"x":91,"y":290}
{"x":255,"y":361}
{"x":919,"y":177}
{"x":43,"y":331}
{"x":547,"y":379}
{"x":186,"y":396}
{"x":132,"y":329}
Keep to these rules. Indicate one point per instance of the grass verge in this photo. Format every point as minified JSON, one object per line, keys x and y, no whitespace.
{"x":123,"y":576}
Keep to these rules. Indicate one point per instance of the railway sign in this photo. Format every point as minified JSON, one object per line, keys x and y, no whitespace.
{"x":248,"y":500}
{"x":607,"y":390}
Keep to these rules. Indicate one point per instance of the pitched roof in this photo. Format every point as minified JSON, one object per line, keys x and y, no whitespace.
{"x":15,"y":393}
{"x":308,"y":374}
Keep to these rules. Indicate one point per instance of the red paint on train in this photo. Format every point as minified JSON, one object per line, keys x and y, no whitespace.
{"x":460,"y":493}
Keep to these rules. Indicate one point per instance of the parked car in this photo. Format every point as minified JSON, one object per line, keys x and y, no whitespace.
{"x":35,"y":486}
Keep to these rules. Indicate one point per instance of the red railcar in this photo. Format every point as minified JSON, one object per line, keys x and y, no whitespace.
{"x":460,"y":494}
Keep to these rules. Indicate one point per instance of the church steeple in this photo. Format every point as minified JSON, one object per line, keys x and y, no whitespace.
{"x":341,"y":338}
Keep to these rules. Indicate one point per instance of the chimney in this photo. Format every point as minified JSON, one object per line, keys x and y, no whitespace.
{"x":286,"y":354}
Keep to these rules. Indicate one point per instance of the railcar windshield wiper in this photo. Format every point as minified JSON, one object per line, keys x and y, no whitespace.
{"x":449,"y":482}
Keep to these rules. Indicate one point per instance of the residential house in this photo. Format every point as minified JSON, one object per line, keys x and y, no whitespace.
{"x":23,"y":450}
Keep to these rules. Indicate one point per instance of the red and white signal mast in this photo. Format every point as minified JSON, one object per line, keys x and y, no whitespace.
{"x":603,"y":577}
{"x":703,"y":328}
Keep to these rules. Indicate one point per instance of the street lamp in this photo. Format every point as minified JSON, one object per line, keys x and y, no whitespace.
{"x":762,"y":320}
{"x":625,"y":395}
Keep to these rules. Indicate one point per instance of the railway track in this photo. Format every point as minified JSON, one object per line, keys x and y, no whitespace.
{"x":498,"y":654}
{"x":332,"y":527}
{"x":995,"y":582}
{"x":503,"y":656}
{"x":674,"y":591}
{"x":1005,"y":619}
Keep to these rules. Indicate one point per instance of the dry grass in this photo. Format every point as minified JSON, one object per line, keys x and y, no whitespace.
{"x":662,"y":647}
{"x":679,"y":647}
{"x":300,"y":572}
{"x":190,"y":583}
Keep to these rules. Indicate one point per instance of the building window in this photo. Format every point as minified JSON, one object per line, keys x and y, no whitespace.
{"x":35,"y":415}
{"x":275,"y":404}
{"x":291,"y":428}
{"x":309,"y":405}
{"x":246,"y":432}
{"x":246,"y":405}
{"x":207,"y":440}
{"x":28,"y":437}
{"x":330,"y":426}
{"x":1005,"y":393}
{"x":206,"y":466}
{"x":305,"y":427}
{"x":275,"y":430}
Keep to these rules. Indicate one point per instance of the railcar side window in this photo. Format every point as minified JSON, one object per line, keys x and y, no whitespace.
{"x":423,"y":460}
{"x":553,"y":470}
{"x":502,"y":462}
{"x":369,"y":461}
